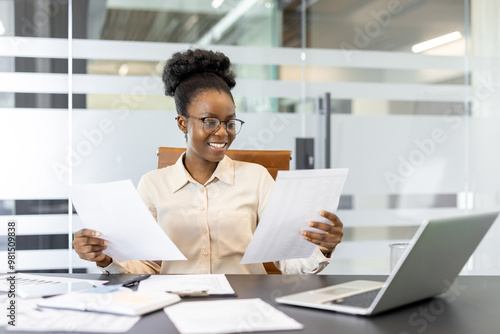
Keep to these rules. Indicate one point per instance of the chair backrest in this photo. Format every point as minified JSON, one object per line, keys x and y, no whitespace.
{"x":272,"y":160}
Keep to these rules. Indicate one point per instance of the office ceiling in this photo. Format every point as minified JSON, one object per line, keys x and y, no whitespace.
{"x":370,"y":25}
{"x":362,"y":24}
{"x":154,"y":26}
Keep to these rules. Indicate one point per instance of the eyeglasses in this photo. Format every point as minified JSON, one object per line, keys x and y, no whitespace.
{"x":211,"y":125}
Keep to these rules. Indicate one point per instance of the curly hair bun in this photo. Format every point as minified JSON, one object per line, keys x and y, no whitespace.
{"x":183,"y":65}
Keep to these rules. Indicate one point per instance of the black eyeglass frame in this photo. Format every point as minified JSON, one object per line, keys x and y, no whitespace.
{"x":220,"y":122}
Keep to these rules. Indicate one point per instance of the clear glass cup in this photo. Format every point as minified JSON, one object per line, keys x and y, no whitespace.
{"x":397,"y":250}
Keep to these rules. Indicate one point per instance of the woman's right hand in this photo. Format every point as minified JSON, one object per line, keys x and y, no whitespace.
{"x":89,"y":246}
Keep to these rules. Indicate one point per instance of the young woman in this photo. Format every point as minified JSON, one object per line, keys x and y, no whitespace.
{"x":208,"y":204}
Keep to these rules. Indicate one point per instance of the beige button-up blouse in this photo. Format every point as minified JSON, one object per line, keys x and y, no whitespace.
{"x":210,"y":223}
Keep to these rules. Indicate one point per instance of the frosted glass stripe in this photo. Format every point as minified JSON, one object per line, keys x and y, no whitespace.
{"x":364,"y":249}
{"x":150,"y":51}
{"x":96,"y":49}
{"x":34,"y":47}
{"x":113,"y":84}
{"x":144,"y":51}
{"x":194,"y":7}
{"x":379,"y":249}
{"x":388,"y":91}
{"x":150,"y":85}
{"x":39,"y":224}
{"x":125,"y":50}
{"x":34,"y":83}
{"x":359,"y":266}
{"x":381,"y":59}
{"x":393,"y":217}
{"x":42,"y":259}
{"x":42,"y":224}
{"x":380,"y":266}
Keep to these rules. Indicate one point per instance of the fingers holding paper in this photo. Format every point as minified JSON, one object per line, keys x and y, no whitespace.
{"x":90,"y":247}
{"x":330,"y":234}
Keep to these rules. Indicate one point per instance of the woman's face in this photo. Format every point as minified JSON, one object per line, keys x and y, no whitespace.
{"x":203,"y":146}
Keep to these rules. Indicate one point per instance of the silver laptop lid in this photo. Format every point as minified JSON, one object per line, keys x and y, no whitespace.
{"x":437,"y":253}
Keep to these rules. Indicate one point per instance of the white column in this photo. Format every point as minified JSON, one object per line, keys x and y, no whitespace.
{"x":485,"y":42}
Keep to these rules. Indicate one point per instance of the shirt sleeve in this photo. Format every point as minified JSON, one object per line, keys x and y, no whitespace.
{"x":311,"y":265}
{"x":132,"y":267}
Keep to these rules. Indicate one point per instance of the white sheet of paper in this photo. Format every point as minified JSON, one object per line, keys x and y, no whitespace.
{"x":229,"y":316}
{"x":297,"y":198}
{"x":41,"y":280}
{"x":214,"y":284}
{"x":33,"y":319}
{"x":116,"y":210}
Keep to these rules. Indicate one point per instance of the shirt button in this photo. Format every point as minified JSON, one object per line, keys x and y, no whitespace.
{"x":202,"y":208}
{"x":204,"y":230}
{"x":202,"y":190}
{"x":205,"y":253}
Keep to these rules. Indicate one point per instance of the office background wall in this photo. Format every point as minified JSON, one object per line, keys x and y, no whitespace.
{"x":81,"y":101}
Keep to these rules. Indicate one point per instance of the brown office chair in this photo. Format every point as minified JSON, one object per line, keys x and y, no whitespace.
{"x":272,"y":160}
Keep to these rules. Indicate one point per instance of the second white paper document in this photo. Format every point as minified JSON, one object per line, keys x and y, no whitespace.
{"x":297,"y":198}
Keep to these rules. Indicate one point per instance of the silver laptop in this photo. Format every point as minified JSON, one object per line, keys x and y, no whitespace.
{"x":437,"y":253}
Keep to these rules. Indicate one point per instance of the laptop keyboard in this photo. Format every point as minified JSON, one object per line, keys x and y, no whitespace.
{"x":363,"y":299}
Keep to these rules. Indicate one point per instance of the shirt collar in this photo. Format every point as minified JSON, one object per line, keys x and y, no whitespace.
{"x":224,"y":172}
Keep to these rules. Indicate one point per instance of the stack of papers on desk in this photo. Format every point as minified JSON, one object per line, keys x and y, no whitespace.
{"x":35,"y":286}
{"x":30,"y":318}
{"x":122,"y":301}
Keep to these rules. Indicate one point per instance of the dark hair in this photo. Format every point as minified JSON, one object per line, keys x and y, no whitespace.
{"x":189,"y":73}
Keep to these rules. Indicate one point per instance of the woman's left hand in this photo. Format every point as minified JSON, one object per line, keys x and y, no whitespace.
{"x":330,"y":236}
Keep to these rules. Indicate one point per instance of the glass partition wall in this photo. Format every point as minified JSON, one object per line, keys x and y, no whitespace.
{"x":81,"y":101}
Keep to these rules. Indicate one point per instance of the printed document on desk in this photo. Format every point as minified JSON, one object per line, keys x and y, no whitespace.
{"x":229,"y":316}
{"x":213,"y":285}
{"x":297,"y":198}
{"x":116,"y":210}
